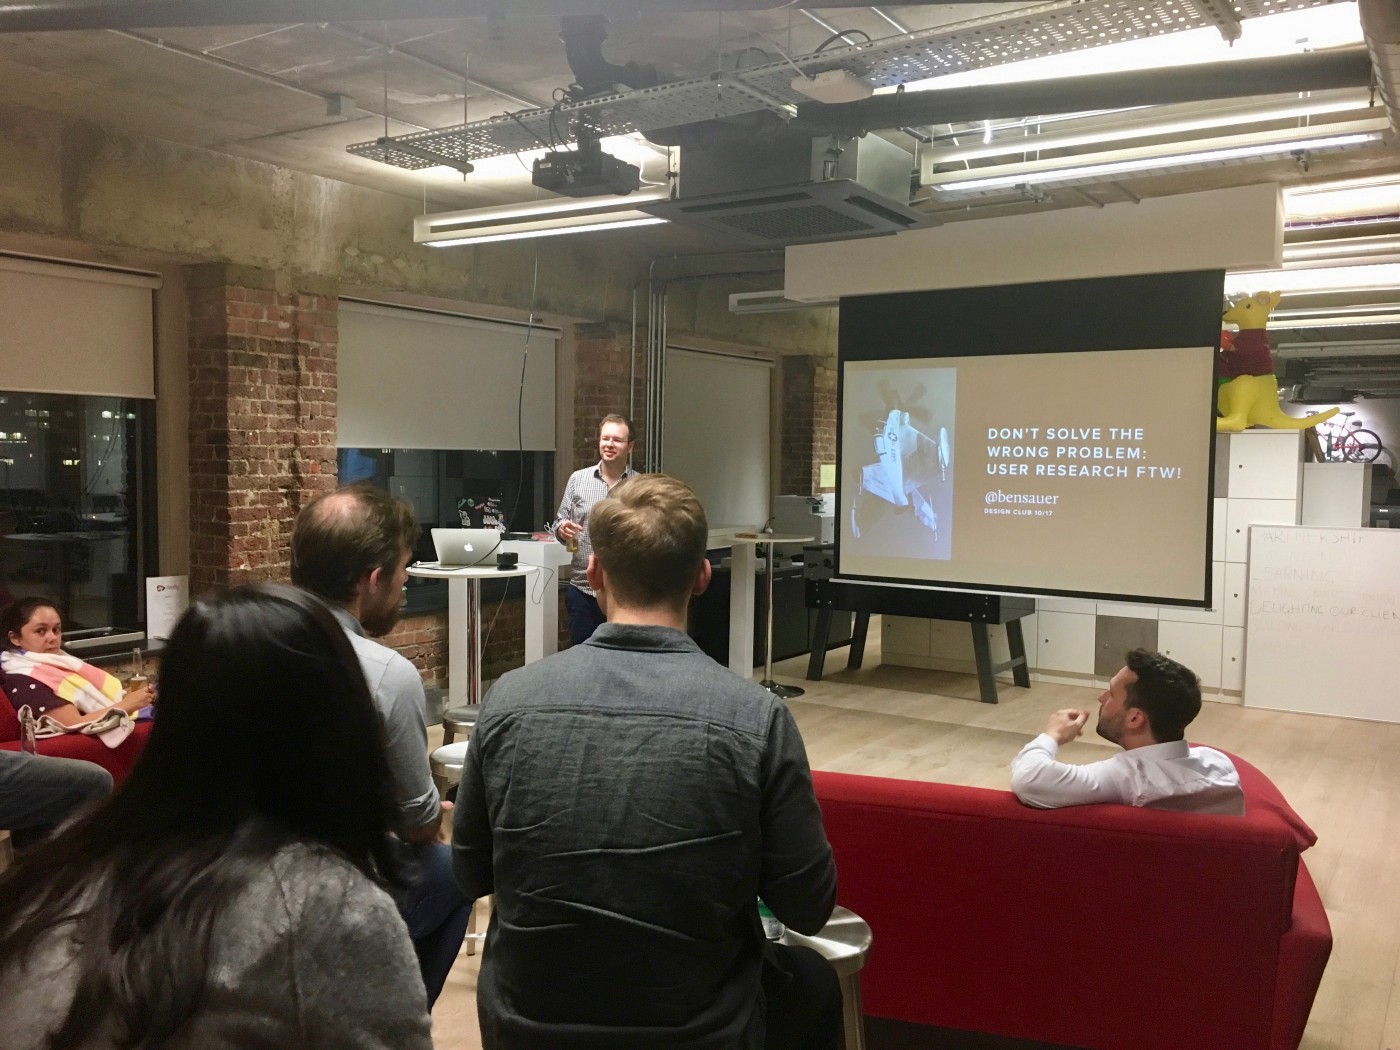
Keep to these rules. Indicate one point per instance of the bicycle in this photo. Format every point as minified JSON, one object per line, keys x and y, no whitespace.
{"x":1348,"y":441}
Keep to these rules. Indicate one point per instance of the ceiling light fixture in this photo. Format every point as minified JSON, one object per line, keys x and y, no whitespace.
{"x":1176,"y":156}
{"x":1332,"y":321}
{"x":1346,"y":198}
{"x":545,"y":218}
{"x":1365,"y":314}
{"x":1315,"y":281}
{"x":1286,"y":33}
{"x":1343,"y":251}
{"x":1148,"y":122}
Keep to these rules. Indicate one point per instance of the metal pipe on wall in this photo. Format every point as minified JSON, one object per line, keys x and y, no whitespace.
{"x":656,"y":373}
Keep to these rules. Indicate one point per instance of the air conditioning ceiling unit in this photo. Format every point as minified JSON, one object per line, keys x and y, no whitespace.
{"x":795,"y":190}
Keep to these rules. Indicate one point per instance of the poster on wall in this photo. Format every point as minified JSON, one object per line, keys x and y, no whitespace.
{"x":167,"y":598}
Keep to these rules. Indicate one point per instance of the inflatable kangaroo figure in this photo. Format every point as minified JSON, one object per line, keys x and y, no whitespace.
{"x":1248,"y":392}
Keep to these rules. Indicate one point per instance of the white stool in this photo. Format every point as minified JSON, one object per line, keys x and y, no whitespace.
{"x":446,"y":765}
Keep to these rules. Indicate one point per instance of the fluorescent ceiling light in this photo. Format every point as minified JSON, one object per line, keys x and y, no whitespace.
{"x":1313,"y":281}
{"x":499,"y":234}
{"x":1150,"y":122}
{"x":1289,"y":33}
{"x":1368,"y":310}
{"x":1317,"y":321}
{"x":1342,"y":251}
{"x":542,"y":218}
{"x":1347,"y":198}
{"x":1163,"y":157}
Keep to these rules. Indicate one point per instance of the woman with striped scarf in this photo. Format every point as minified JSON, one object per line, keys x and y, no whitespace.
{"x":36,"y":673}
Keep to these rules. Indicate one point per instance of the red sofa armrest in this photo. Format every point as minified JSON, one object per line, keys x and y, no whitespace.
{"x":118,"y":761}
{"x":1303,"y":954}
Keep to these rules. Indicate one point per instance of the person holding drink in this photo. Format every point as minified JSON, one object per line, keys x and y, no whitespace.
{"x":584,"y":489}
{"x":62,"y":691}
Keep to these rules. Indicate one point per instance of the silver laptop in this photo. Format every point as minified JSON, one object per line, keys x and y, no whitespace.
{"x":457,"y":548}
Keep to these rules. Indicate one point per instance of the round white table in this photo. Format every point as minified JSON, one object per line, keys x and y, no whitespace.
{"x":752,"y":540}
{"x":464,"y":623}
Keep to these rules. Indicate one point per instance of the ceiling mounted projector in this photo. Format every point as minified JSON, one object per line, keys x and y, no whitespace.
{"x":585,"y":172}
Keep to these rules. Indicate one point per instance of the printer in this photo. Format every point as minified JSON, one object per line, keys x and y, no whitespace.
{"x":813,"y":516}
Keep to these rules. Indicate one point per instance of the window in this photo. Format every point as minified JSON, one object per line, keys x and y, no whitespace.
{"x":449,"y":487}
{"x":74,"y":525}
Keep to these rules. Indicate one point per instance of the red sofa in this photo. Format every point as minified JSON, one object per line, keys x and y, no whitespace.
{"x":118,"y":760}
{"x":1102,"y":927}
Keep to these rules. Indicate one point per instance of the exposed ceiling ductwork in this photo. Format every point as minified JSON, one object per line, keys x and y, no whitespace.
{"x":1317,"y":71}
{"x":759,"y":175}
{"x":1380,"y":22}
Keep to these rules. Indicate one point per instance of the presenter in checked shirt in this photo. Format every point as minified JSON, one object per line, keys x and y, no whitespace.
{"x":585,"y":488}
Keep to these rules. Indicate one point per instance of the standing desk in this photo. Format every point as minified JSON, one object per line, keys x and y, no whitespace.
{"x":464,"y":625}
{"x":741,"y":603}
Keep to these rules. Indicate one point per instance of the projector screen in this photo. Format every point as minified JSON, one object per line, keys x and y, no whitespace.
{"x":1059,"y":451}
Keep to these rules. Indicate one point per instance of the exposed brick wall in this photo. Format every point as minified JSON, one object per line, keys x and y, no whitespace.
{"x":603,"y":362}
{"x":262,"y":411}
{"x":422,"y":640}
{"x":262,"y":434}
{"x":823,"y":421}
{"x":809,"y":424}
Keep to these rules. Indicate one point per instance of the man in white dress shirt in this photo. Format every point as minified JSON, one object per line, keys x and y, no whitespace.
{"x":1145,"y":710}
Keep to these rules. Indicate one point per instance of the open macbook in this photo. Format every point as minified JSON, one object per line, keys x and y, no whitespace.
{"x":457,"y":548}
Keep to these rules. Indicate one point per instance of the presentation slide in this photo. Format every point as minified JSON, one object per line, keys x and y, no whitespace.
{"x":1080,"y":472}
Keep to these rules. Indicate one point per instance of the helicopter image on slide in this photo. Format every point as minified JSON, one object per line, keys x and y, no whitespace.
{"x":908,"y":463}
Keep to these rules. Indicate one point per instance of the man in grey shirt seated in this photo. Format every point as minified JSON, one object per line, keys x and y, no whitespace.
{"x":626,"y":801}
{"x":352,"y":548}
{"x":1145,"y":710}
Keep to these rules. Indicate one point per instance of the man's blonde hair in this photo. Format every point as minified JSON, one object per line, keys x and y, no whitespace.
{"x":650,"y":536}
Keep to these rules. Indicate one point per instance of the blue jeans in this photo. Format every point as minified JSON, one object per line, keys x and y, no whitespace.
{"x":436,"y":914}
{"x":585,"y":614}
{"x":37,"y":791}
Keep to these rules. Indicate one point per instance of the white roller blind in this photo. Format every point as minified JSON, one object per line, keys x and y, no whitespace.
{"x":716,"y":432}
{"x":76,"y":330}
{"x":419,"y":379}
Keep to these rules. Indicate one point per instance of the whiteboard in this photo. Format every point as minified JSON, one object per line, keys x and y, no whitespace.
{"x":1322,"y":631}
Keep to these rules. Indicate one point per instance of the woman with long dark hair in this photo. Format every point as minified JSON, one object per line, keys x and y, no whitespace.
{"x":230,"y":893}
{"x":36,"y":673}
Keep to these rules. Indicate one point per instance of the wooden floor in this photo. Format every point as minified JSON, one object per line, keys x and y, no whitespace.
{"x":1343,"y":777}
